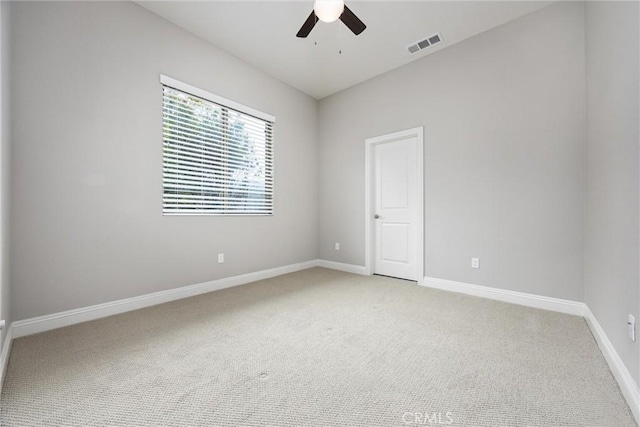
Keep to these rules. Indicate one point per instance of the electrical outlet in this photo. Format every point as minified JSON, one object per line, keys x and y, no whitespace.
{"x":220,"y":258}
{"x":337,"y":246}
{"x":475,"y":262}
{"x":631,"y":324}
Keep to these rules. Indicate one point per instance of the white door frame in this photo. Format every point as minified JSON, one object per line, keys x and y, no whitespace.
{"x":369,"y":198}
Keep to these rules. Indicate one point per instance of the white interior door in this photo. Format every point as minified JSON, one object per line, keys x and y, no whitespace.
{"x":396,"y":208}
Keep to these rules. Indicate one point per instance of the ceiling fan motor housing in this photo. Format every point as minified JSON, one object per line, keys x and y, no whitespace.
{"x":329,"y":11}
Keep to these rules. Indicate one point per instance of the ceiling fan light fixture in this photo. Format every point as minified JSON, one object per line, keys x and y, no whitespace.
{"x":328,"y":10}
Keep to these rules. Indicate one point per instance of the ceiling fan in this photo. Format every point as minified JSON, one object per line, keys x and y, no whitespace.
{"x":329,"y":11}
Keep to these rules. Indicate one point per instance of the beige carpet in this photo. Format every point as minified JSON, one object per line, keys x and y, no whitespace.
{"x":316,"y":348}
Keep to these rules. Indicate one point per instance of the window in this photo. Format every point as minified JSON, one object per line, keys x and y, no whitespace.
{"x":217,"y":155}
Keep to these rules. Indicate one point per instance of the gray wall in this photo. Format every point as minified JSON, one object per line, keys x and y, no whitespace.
{"x":504,"y":121}
{"x":5,"y":307}
{"x":86,"y":181}
{"x":612,"y":206}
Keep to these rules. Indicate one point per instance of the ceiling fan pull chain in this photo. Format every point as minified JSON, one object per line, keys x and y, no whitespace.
{"x":339,"y":39}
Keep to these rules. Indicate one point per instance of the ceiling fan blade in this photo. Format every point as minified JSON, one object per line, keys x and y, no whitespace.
{"x":308,"y":25}
{"x":352,"y":21}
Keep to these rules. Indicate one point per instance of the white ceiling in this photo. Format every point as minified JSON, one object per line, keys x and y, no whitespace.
{"x":262,"y":33}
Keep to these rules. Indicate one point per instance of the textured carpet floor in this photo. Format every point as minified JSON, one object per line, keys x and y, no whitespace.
{"x":316,"y":348}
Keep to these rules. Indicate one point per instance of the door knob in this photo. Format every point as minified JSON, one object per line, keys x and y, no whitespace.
{"x":376,"y":216}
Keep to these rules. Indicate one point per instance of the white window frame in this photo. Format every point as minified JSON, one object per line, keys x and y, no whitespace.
{"x":184,"y":87}
{"x":228,"y":104}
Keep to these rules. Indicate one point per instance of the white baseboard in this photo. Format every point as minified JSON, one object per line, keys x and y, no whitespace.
{"x":4,"y":356}
{"x":39,"y":324}
{"x":48,"y":322}
{"x":349,"y":268}
{"x":520,"y":298}
{"x":620,"y":372}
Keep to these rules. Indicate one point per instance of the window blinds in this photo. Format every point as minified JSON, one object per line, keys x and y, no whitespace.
{"x":216,"y":160}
